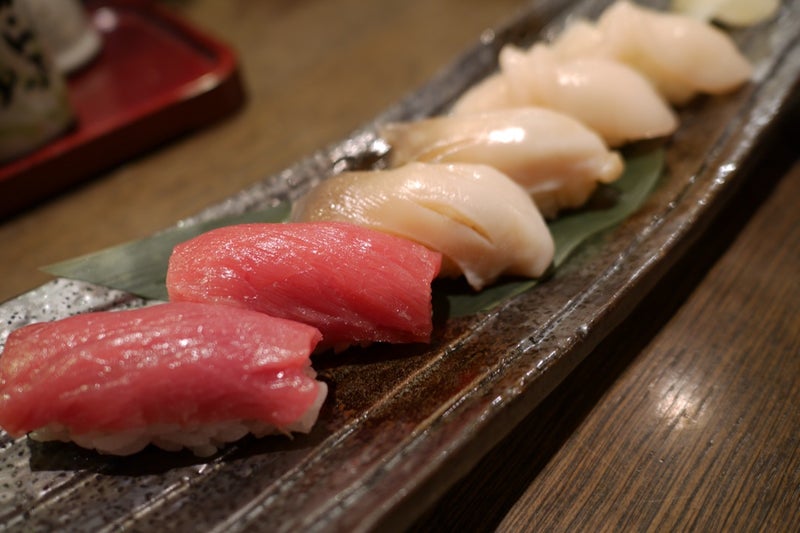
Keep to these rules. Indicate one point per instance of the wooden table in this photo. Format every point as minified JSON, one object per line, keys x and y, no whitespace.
{"x":687,"y":417}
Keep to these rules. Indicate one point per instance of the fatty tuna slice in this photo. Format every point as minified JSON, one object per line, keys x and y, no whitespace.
{"x":354,"y":284}
{"x":159,"y":373}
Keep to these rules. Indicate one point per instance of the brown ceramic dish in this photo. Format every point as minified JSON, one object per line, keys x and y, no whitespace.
{"x":402,"y":424}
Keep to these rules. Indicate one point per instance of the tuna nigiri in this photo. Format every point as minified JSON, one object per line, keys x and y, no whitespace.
{"x":354,"y":284}
{"x":173,"y":374}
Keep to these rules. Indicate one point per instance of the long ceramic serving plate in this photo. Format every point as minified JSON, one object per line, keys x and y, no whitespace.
{"x":403,"y":423}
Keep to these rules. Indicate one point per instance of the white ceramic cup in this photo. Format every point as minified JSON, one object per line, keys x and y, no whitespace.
{"x":34,"y":106}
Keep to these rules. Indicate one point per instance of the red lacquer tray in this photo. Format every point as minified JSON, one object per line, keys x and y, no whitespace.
{"x":156,"y":77}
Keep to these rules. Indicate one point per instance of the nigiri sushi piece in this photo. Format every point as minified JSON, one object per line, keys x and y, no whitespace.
{"x":354,"y":284}
{"x":731,"y":12}
{"x":174,"y":374}
{"x":607,"y":96}
{"x":581,"y":39}
{"x":551,"y":155}
{"x":482,"y":222}
{"x":612,"y":99}
{"x":680,"y":55}
{"x":489,"y":94}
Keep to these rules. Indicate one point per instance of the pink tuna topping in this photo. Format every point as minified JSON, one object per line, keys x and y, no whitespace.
{"x":174,"y":363}
{"x":354,"y":284}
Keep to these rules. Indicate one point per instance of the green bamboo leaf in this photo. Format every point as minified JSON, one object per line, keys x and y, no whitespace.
{"x":612,"y":204}
{"x":140,"y":267}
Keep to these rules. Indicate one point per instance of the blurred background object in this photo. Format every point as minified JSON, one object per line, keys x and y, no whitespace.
{"x":152,"y":78}
{"x":34,"y":107}
{"x":65,"y":30}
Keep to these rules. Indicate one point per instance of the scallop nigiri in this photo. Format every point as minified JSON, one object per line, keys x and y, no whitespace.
{"x":551,"y":155}
{"x":581,"y":39}
{"x":489,"y":94}
{"x":174,"y":374}
{"x":732,"y":12}
{"x":681,"y":56}
{"x":612,"y":99}
{"x":354,"y":284}
{"x":609,"y":97}
{"x":482,"y":222}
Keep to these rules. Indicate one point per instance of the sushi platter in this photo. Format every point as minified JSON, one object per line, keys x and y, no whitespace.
{"x":402,"y":423}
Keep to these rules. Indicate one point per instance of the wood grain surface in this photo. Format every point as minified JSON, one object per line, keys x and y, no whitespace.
{"x":686,"y":418}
